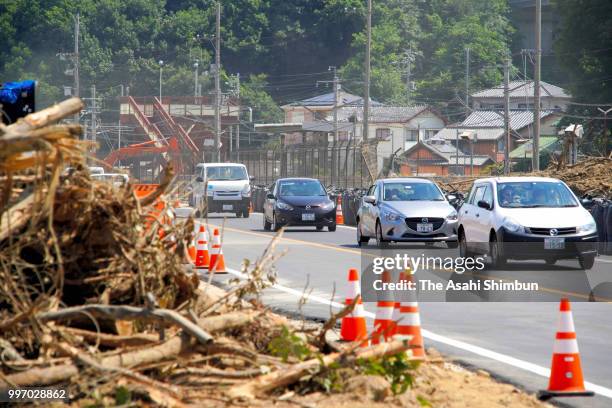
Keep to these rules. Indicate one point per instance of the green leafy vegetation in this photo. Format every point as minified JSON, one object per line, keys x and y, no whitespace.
{"x":397,"y":369}
{"x":288,"y":344}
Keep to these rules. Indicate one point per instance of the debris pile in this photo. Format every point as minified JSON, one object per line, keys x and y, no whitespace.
{"x":95,"y":300}
{"x":591,"y":176}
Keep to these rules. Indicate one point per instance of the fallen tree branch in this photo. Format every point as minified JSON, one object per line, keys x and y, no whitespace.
{"x":215,"y":372}
{"x":227,"y":320}
{"x":51,"y":375}
{"x":129,"y":313}
{"x":42,"y":118}
{"x":292,"y":374}
{"x":331,"y":322}
{"x":112,"y":340}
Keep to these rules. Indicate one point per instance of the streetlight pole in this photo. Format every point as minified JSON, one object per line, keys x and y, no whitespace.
{"x":195,"y":86}
{"x":161,"y":67}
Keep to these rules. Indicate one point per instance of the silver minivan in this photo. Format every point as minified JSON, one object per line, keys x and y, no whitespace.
{"x":406,"y":210}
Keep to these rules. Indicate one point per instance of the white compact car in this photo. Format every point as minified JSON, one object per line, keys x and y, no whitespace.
{"x":526,"y":218}
{"x":221,"y":187}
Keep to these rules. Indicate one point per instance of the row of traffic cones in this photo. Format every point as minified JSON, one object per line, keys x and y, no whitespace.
{"x":400,"y":320}
{"x":199,"y":255}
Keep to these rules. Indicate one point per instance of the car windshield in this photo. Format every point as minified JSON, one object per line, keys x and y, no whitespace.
{"x":531,"y":194}
{"x":406,"y":191}
{"x":226,"y":173}
{"x":301,"y":188}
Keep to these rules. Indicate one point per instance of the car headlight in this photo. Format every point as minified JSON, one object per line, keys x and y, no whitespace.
{"x":512,"y":225}
{"x":392,"y":216}
{"x":283,"y":206}
{"x":452,"y":216}
{"x":590,"y":227}
{"x":246,"y":191}
{"x":328,"y":206}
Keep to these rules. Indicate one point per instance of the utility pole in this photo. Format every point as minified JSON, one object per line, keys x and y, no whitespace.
{"x":535,"y":153}
{"x":366,"y":98}
{"x":161,"y":67}
{"x":605,"y":113}
{"x":467,"y":77}
{"x":94,"y":124}
{"x":77,"y":90}
{"x":239,"y":112}
{"x":218,"y":85}
{"x":507,"y":116}
{"x":408,"y":59}
{"x":195,"y":78}
{"x":336,"y":84}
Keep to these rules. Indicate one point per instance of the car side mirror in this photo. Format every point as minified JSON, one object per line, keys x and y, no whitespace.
{"x":251,"y":178}
{"x":270,"y":196}
{"x":484,"y":204}
{"x":451,"y":197}
{"x":199,"y":179}
{"x":370,"y":199}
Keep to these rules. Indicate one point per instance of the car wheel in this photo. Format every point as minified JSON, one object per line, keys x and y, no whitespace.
{"x":245,"y":212}
{"x":361,"y":240}
{"x":319,"y":228}
{"x":452,"y":244}
{"x":331,"y":228}
{"x":380,"y":241}
{"x":238,"y":214}
{"x":275,"y":225}
{"x":198,"y":214}
{"x":586,"y":261}
{"x":550,"y":261}
{"x":266,"y":225}
{"x":497,"y":257}
{"x":464,"y":252}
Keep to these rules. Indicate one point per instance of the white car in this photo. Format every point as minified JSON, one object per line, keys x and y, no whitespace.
{"x":221,"y":187}
{"x":526,"y":218}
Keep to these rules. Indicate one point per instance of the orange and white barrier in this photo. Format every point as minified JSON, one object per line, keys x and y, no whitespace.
{"x":217,"y":261}
{"x":408,"y":326}
{"x":202,"y":258}
{"x":383,"y":321}
{"x":353,"y":327}
{"x":566,"y":372}
{"x":339,"y":215}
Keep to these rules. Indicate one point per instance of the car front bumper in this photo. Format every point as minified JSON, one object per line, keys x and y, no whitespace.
{"x":217,"y":205}
{"x":518,"y":245}
{"x":400,"y":231}
{"x":294,"y":217}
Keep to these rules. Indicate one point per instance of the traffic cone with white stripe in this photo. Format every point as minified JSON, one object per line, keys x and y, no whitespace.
{"x":339,"y":214}
{"x":217,"y":261}
{"x":566,"y":372}
{"x":408,"y":327}
{"x":202,"y":259}
{"x":353,"y":326}
{"x":191,"y":246}
{"x":383,"y":321}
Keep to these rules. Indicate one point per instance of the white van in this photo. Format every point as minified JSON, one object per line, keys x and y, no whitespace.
{"x":526,"y":218}
{"x":221,"y":187}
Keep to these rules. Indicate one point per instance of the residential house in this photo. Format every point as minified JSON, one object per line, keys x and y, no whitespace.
{"x":395,"y":127}
{"x":437,"y":157}
{"x":488,"y":128}
{"x":521,"y":156}
{"x":552,"y":97}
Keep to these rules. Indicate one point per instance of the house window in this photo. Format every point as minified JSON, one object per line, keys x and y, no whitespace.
{"x":500,"y":144}
{"x":429,"y":133}
{"x":297,"y":117}
{"x":383,"y":133}
{"x":411,"y":135}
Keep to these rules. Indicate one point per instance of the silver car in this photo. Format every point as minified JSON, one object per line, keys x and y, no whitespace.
{"x":406,"y":210}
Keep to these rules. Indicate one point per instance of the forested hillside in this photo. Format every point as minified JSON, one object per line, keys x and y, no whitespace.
{"x":280,"y":48}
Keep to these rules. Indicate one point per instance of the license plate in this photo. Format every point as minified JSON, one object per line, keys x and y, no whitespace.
{"x":554,"y":243}
{"x":424,"y":227}
{"x":308,"y":217}
{"x":228,"y":207}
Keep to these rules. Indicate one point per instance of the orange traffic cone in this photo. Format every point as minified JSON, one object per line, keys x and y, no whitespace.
{"x":191,"y":247}
{"x":409,"y":324}
{"x":354,"y":325}
{"x":217,"y":261}
{"x":202,"y":260}
{"x":339,"y":215}
{"x":384,"y":312}
{"x":566,"y":373}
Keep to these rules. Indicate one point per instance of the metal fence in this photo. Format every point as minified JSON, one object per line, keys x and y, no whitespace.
{"x":340,"y":165}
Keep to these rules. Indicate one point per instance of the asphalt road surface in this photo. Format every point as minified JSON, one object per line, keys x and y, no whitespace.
{"x":512,"y":340}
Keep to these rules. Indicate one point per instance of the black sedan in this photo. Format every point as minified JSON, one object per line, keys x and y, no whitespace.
{"x":296,"y":202}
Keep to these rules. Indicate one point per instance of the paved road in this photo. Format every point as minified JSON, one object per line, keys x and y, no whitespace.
{"x":511,"y":340}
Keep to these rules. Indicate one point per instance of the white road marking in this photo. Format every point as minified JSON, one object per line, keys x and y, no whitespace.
{"x":503,"y":358}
